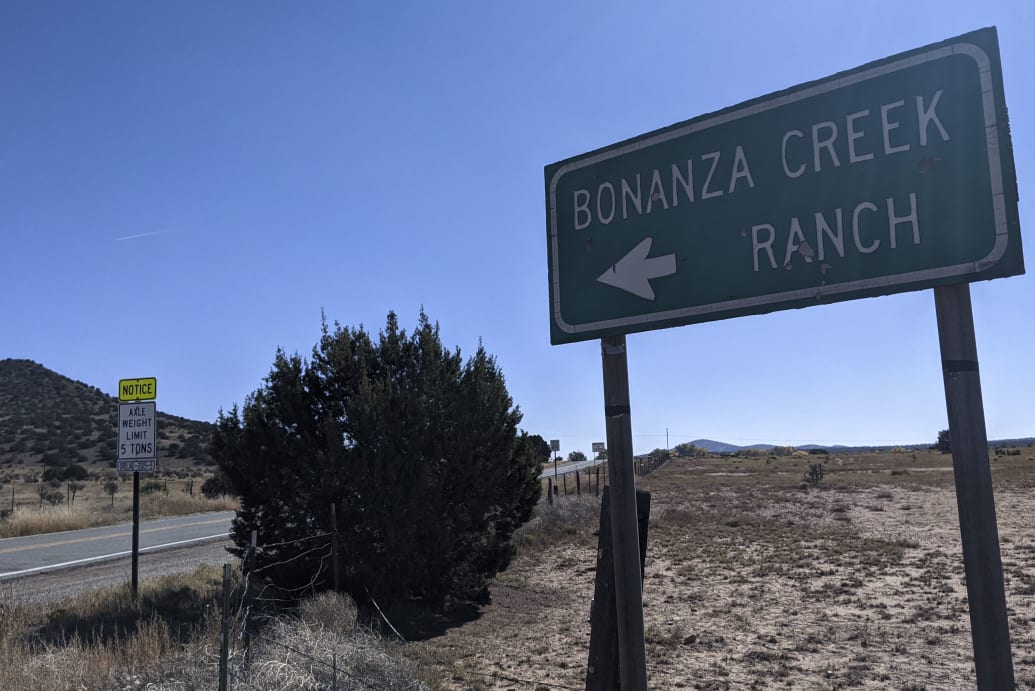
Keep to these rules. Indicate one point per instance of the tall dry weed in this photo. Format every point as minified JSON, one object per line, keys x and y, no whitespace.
{"x":148,"y":658}
{"x":564,"y":519}
{"x":168,"y":638}
{"x":90,"y":511}
{"x":45,"y":519}
{"x":106,"y":639}
{"x":321,"y":647}
{"x":160,"y":505}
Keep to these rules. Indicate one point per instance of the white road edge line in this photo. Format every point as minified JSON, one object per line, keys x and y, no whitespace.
{"x":12,"y":574}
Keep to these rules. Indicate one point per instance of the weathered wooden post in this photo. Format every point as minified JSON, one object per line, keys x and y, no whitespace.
{"x":249,"y":567}
{"x":602,"y":672}
{"x":224,"y":632}
{"x":334,"y":545}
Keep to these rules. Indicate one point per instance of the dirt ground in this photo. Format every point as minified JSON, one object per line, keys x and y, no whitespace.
{"x":754,"y":582}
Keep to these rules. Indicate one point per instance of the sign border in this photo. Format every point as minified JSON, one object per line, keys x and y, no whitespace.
{"x":990,"y":81}
{"x":130,"y":400}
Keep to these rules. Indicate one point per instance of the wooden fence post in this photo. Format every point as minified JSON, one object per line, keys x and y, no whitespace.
{"x":549,"y":490}
{"x":602,"y":673}
{"x":578,"y":483}
{"x":249,"y":566}
{"x":224,"y":632}
{"x":334,"y":545}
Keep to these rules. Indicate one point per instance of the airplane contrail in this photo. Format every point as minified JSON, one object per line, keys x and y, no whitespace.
{"x":145,"y":235}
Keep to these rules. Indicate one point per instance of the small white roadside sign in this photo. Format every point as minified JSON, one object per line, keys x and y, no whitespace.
{"x":138,"y":442}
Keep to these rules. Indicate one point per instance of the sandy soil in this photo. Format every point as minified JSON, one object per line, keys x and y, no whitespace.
{"x":755,"y":583}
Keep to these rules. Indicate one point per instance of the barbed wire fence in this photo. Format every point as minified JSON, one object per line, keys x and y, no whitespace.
{"x":646,"y":465}
{"x":557,"y":484}
{"x":261,"y":649}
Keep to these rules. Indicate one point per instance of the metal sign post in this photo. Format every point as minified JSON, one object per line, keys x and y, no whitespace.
{"x":134,"y":579}
{"x":624,"y":528}
{"x":137,"y":448}
{"x":993,"y":660}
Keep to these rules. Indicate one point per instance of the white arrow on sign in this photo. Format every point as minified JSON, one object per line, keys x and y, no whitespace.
{"x":632,"y":273}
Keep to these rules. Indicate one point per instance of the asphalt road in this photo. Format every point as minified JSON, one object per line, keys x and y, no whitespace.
{"x":23,"y":556}
{"x":45,"y":588}
{"x":567,"y":468}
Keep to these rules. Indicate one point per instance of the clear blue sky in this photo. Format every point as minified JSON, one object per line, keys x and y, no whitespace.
{"x":184,"y":186}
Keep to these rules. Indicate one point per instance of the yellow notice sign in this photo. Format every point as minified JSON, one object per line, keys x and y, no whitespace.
{"x":144,"y":389}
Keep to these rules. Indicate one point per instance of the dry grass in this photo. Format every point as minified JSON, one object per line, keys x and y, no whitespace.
{"x":753,"y":582}
{"x":562,"y":521}
{"x":322,"y":647}
{"x":93,"y":507}
{"x":107,"y":640}
{"x":168,"y":638}
{"x":180,"y":504}
{"x":45,"y":519}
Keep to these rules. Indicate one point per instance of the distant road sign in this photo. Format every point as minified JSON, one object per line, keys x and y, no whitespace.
{"x":555,"y":445}
{"x":598,"y":446}
{"x":138,"y":441}
{"x":145,"y":389}
{"x":894,"y":176}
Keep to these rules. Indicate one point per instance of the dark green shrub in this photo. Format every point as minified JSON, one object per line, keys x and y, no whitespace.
{"x":216,"y":486}
{"x":65,"y":473}
{"x":418,"y":450}
{"x":153,"y":486}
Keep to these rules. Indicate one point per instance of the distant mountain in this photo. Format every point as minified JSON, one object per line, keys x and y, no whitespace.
{"x":49,"y":419}
{"x":1024,"y":441}
{"x":712,"y":446}
{"x":835,"y":447}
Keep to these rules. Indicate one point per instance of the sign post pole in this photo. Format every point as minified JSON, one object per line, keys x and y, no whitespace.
{"x":555,"y":447}
{"x":135,"y":576}
{"x":624,"y":527}
{"x":137,"y":448}
{"x":982,"y":563}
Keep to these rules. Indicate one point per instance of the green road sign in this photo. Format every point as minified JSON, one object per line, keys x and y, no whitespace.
{"x":894,"y":176}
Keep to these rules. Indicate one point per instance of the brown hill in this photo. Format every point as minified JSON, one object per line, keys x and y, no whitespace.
{"x":48,"y":419}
